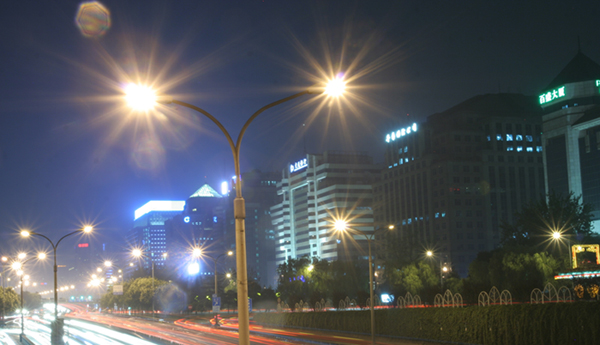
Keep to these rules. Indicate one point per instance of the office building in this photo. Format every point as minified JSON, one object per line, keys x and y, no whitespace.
{"x":571,"y":127}
{"x":202,"y":223}
{"x":260,"y":193}
{"x":149,"y":232}
{"x":449,"y":182}
{"x":315,"y":191}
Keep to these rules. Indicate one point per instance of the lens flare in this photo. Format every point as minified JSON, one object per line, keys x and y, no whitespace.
{"x":93,"y":19}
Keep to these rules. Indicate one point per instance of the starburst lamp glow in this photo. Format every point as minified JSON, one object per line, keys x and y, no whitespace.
{"x":140,"y":98}
{"x":335,"y":87}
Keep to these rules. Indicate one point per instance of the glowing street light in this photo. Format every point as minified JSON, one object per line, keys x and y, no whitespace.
{"x":55,"y":339}
{"x":40,"y":256}
{"x":142,"y":98}
{"x":341,"y":225}
{"x":557,"y":236}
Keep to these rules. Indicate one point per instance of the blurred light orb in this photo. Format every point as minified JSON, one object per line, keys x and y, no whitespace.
{"x":193,"y":268}
{"x":93,"y":19}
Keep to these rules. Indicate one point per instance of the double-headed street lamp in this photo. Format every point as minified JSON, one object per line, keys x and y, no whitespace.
{"x":197,"y":252}
{"x":27,"y":233}
{"x":138,"y":253}
{"x":143,"y":98}
{"x":342,"y":226}
{"x":18,"y":266}
{"x":443,"y":268}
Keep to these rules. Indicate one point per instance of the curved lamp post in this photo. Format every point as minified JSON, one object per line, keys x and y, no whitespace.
{"x":138,"y":253}
{"x":143,"y":99}
{"x":197,"y":252}
{"x":27,"y":233}
{"x":18,"y":266}
{"x":342,"y":226}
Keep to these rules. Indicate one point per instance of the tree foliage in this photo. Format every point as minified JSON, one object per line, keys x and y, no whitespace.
{"x":536,"y":222}
{"x":9,"y":299}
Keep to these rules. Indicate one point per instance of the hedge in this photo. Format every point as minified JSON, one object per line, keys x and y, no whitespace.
{"x":526,"y":324}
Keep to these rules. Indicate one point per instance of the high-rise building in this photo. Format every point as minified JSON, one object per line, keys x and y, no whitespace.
{"x":149,"y":232}
{"x":202,"y":224}
{"x":260,"y":193}
{"x":313,"y":192}
{"x":571,"y":127}
{"x":451,"y":181}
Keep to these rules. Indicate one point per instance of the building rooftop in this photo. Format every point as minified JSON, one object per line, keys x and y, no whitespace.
{"x":580,"y":68}
{"x":206,"y":191}
{"x":497,"y":104}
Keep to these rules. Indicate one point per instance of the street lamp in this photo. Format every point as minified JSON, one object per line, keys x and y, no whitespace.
{"x":138,"y":253}
{"x":18,"y":266}
{"x":443,"y":268}
{"x":109,"y":264}
{"x":26,"y":233}
{"x":143,"y":98}
{"x":197,"y":252}
{"x":557,"y":236}
{"x":342,"y":226}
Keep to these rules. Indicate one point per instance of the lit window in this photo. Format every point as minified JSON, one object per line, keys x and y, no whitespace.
{"x":509,"y":137}
{"x":437,"y":215}
{"x":530,"y":149}
{"x":519,"y":137}
{"x":510,"y":148}
{"x":529,"y":138}
{"x":519,"y":148}
{"x":499,"y":137}
{"x":443,"y":214}
{"x":489,"y":138}
{"x":406,"y":160}
{"x":538,"y":149}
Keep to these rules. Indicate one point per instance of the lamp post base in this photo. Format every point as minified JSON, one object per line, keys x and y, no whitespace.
{"x":58,"y":332}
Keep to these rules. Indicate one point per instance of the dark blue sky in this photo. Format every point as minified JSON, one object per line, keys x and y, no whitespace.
{"x":63,"y":161}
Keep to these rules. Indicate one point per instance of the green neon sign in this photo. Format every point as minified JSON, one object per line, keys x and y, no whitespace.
{"x":597,"y":82}
{"x":554,"y":94}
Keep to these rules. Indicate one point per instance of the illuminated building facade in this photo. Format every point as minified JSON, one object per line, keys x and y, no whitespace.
{"x":314,"y":191}
{"x":149,"y":231}
{"x":571,"y":126}
{"x":449,"y":182}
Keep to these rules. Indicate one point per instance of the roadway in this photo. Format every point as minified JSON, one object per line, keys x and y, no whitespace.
{"x":82,"y":327}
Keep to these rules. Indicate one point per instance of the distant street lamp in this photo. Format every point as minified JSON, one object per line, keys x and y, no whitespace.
{"x":26,"y":233}
{"x":197,"y":252}
{"x":342,"y":226}
{"x":109,"y":264}
{"x":138,"y":253}
{"x":443,"y":268}
{"x":557,"y":236}
{"x":19,"y":267}
{"x":143,"y":98}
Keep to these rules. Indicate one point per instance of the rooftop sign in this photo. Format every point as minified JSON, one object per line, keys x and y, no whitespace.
{"x":159,"y":205}
{"x":553,"y":94}
{"x":299,"y":165}
{"x":400,"y":133}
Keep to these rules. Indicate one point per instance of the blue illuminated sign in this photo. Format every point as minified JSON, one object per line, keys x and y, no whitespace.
{"x":400,"y":133}
{"x":299,"y":165}
{"x":186,"y":219}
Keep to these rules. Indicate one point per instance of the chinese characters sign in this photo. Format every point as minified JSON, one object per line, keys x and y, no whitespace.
{"x":552,"y":95}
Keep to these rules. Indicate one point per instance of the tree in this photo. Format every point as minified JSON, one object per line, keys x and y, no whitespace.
{"x":536,"y":222}
{"x":9,"y":299}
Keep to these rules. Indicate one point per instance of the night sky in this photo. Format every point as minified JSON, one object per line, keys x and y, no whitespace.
{"x":72,"y":152}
